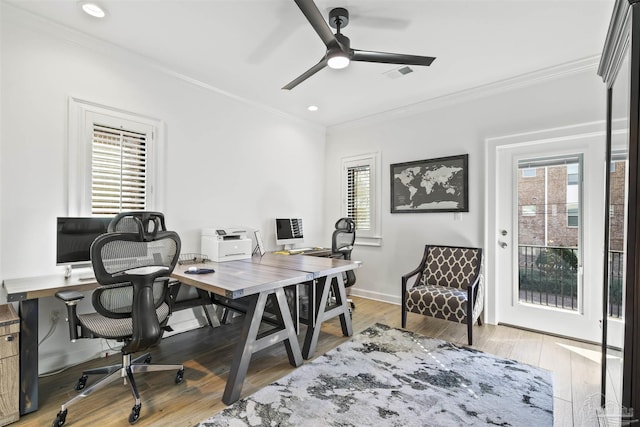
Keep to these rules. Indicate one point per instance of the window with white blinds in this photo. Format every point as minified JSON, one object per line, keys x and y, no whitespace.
{"x":361,"y":195}
{"x":113,"y":157}
{"x":118,"y":170}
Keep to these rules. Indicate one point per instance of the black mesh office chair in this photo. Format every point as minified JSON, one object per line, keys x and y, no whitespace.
{"x":342,"y":242}
{"x":132,"y":263}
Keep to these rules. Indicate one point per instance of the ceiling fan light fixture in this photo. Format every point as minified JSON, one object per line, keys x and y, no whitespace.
{"x":337,"y":60}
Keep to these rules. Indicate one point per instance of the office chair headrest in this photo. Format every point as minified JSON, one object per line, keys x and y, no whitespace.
{"x":146,"y":223}
{"x":346,"y":224}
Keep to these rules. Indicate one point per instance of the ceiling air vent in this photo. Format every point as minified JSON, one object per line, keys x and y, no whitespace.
{"x":398,"y":72}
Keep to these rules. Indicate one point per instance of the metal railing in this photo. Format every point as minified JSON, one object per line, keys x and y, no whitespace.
{"x":548,"y":276}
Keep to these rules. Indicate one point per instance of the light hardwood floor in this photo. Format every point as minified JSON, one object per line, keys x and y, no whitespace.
{"x":206,"y":354}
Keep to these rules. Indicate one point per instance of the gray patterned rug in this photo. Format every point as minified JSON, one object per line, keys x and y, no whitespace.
{"x":389,"y":377}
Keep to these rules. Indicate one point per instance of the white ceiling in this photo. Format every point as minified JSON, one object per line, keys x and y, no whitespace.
{"x":251,"y":48}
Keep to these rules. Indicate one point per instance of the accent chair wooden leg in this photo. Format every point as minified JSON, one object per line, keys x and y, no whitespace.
{"x":404,"y":313}
{"x":470,"y":329}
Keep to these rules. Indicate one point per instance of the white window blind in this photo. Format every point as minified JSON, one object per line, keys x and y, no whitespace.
{"x":359,"y":196}
{"x":113,"y":160}
{"x":118,"y":170}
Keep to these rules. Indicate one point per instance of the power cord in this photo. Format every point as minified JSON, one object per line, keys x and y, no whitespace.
{"x":54,"y":317}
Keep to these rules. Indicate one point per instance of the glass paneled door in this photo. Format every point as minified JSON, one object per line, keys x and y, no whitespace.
{"x":548,"y":257}
{"x":549,"y":231}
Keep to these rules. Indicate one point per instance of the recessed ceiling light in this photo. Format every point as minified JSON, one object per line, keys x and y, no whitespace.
{"x":312,"y":108}
{"x":93,"y":10}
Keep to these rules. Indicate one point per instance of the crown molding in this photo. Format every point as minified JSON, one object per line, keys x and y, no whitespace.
{"x":40,"y":24}
{"x":616,"y":42}
{"x":520,"y":81}
{"x":37,"y":23}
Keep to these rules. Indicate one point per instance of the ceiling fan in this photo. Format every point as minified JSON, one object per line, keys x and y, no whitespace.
{"x":339,"y":52}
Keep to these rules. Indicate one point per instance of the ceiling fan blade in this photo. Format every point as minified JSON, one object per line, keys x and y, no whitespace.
{"x":390,"y":58}
{"x":304,"y":76}
{"x":313,"y":15}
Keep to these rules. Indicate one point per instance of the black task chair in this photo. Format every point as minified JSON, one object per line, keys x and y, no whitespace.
{"x":342,"y":242}
{"x":131,"y":304}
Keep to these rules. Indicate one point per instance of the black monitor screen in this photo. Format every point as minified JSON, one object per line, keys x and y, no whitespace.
{"x":288,"y":230}
{"x":75,"y":236}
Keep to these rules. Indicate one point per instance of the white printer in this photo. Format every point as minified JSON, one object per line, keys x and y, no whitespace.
{"x":225,"y":244}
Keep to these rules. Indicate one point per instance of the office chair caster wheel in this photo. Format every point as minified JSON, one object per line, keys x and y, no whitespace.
{"x":180,"y":376}
{"x":82,"y":382}
{"x":147,"y":360}
{"x":60,"y":419}
{"x":135,"y":414}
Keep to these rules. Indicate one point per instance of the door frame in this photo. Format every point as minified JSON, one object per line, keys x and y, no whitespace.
{"x":492,"y":145}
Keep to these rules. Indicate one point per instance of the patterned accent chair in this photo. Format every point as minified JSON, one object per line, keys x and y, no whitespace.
{"x":448,"y":285}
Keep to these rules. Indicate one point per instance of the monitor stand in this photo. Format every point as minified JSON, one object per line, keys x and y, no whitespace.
{"x":85,"y":272}
{"x":86,"y":276}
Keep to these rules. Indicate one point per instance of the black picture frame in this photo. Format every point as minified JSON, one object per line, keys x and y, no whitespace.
{"x":432,"y":185}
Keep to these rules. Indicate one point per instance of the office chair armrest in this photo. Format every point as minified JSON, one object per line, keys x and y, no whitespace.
{"x":71,"y":299}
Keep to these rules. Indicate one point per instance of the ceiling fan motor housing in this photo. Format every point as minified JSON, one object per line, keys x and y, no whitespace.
{"x":344,"y":41}
{"x":338,"y":15}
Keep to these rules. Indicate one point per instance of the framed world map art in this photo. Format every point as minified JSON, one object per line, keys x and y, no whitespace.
{"x":434,"y":185}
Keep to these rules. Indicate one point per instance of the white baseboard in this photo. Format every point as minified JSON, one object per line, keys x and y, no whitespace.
{"x":85,"y":350}
{"x":376,"y":296}
{"x":73,"y":355}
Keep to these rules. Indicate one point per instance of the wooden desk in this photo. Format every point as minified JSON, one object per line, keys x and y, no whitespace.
{"x":326,"y":272}
{"x":26,"y":292}
{"x":253,"y":283}
{"x":251,"y":280}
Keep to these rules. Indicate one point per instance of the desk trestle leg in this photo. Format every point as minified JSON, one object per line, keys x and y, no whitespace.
{"x":321,"y":313}
{"x":250,"y":342}
{"x":28,"y":355}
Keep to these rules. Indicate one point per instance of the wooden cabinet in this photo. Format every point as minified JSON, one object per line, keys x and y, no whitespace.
{"x":9,"y":364}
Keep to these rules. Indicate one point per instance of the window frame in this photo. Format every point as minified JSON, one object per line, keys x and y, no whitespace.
{"x":82,"y":115}
{"x":373,"y":236}
{"x":573,"y":212}
{"x":529,"y":210}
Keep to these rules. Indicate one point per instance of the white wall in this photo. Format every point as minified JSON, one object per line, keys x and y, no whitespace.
{"x":224,"y":156}
{"x":227,"y":160}
{"x":456,"y":125}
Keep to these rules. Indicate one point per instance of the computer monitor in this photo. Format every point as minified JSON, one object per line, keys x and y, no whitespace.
{"x":74,"y":236}
{"x":289,"y":231}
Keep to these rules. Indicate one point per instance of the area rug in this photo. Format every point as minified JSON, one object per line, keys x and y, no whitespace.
{"x":390,"y":377}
